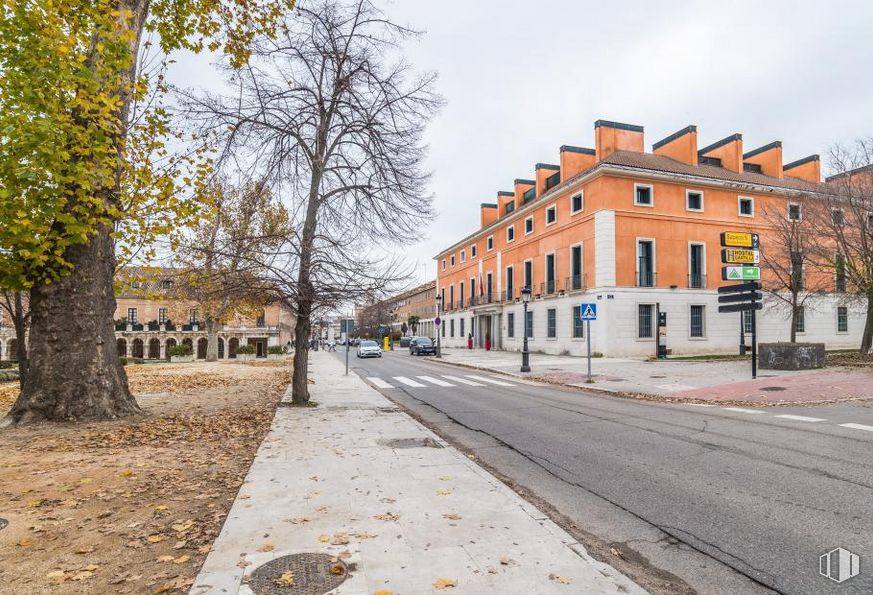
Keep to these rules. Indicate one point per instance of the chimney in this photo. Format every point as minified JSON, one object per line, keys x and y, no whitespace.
{"x":681,"y":146}
{"x":503,"y":200}
{"x":546,"y":178}
{"x":610,"y":137}
{"x":728,"y":152}
{"x":487,"y":214}
{"x":808,"y":168}
{"x":521,"y":187}
{"x":768,"y":159}
{"x":575,"y":160}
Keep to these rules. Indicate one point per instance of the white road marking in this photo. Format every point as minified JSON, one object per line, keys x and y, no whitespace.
{"x":379,"y":382}
{"x":409,"y":382}
{"x":699,"y":405}
{"x":801,"y":418}
{"x":741,"y":410}
{"x":462,"y":380}
{"x":436,"y":381}
{"x":857,"y":427}
{"x":489,"y":380}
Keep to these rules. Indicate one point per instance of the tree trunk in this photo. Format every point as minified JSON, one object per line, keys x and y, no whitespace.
{"x":20,"y":322}
{"x":300,"y":379}
{"x":211,"y":338}
{"x":867,"y":338}
{"x":794,"y":314}
{"x":75,"y":372}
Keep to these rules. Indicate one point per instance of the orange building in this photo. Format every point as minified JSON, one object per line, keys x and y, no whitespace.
{"x":637,"y":233}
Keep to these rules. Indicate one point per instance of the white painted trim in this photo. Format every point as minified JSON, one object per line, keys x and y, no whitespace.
{"x":452,"y":260}
{"x":703,"y":272}
{"x":551,"y":207}
{"x":489,"y":243}
{"x":581,"y":246}
{"x":508,"y":239}
{"x":702,"y":200}
{"x":532,"y":229}
{"x":654,"y":336}
{"x":554,"y":256}
{"x":651,"y":188}
{"x":799,"y":210}
{"x":837,"y":320}
{"x":527,"y":282}
{"x":463,"y":256}
{"x":654,"y":260}
{"x":705,"y":325}
{"x":474,"y":250}
{"x":581,"y":194}
{"x":740,"y":200}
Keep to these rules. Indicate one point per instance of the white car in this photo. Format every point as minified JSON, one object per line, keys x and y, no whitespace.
{"x":369,"y":349}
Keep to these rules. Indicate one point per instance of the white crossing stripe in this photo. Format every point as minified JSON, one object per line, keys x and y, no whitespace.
{"x":857,"y":427}
{"x":409,"y":381}
{"x":741,"y":410}
{"x":801,"y":418}
{"x":462,"y":380}
{"x":489,"y":380}
{"x":699,"y":405}
{"x":436,"y":381}
{"x":379,"y":382}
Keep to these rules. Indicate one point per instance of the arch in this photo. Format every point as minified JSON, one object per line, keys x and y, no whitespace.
{"x":202,"y":344}
{"x":121,"y":346}
{"x":12,"y":349}
{"x":189,"y":343}
{"x":138,"y":349}
{"x":220,"y":348}
{"x":232,"y":346}
{"x":170,"y":343}
{"x":154,"y":348}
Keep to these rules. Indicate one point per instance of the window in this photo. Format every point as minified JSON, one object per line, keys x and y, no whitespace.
{"x":576,"y":267}
{"x":442,"y":298}
{"x":473,"y":251}
{"x":462,"y":328}
{"x":528,"y":226}
{"x":166,"y":284}
{"x":463,"y":256}
{"x":696,"y":266}
{"x":510,"y":234}
{"x":550,"y":285}
{"x":645,"y":263}
{"x":794,"y":213}
{"x":842,"y":319}
{"x":643,"y":195}
{"x":451,"y":297}
{"x":461,"y":294}
{"x":747,"y":323}
{"x":443,"y":328}
{"x":472,"y":290}
{"x":746,"y":206}
{"x":510,"y":207}
{"x":131,"y":316}
{"x":452,"y":325}
{"x":840,"y":273}
{"x":838,"y":217}
{"x":444,"y":264}
{"x":577,"y":203}
{"x":510,"y":325}
{"x":192,"y":316}
{"x":578,"y":323}
{"x":452,"y":260}
{"x":754,"y":168}
{"x":703,"y":160}
{"x":698,"y":321}
{"x":528,"y":324}
{"x":162,"y":315}
{"x":693,"y":200}
{"x":644,"y":321}
{"x":489,"y":243}
{"x":800,"y":321}
{"x":551,"y":323}
{"x":528,"y":274}
{"x":551,"y":214}
{"x":489,"y":287}
{"x":510,"y":282}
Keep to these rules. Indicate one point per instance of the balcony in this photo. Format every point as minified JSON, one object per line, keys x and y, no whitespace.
{"x":575,"y":283}
{"x":508,"y":295}
{"x":696,"y":281}
{"x":646,"y":279}
{"x":549,"y":287}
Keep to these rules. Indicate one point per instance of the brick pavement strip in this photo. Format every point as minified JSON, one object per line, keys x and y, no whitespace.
{"x":410,"y":516}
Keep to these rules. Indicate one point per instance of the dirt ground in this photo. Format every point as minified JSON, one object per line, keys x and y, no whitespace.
{"x":132,"y":506}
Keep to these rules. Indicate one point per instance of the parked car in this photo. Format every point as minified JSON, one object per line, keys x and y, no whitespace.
{"x":421,"y":346}
{"x":369,"y":349}
{"x":404,"y":341}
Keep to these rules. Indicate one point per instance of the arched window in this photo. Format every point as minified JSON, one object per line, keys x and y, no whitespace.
{"x":232,"y":346}
{"x":138,"y":351}
{"x":220,"y":348}
{"x":121,"y":346}
{"x":170,"y":343}
{"x":154,"y":348}
{"x":202,"y":344}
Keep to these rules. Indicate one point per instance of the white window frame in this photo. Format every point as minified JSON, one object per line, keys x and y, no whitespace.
{"x":651,"y":196}
{"x":654,"y":336}
{"x":474,"y":249}
{"x":463,"y":256}
{"x":690,"y":244}
{"x":523,"y":280}
{"x":452,"y":260}
{"x":554,"y":256}
{"x":515,"y":287}
{"x":555,"y":337}
{"x":740,"y":200}
{"x":837,"y":319}
{"x":444,"y":264}
{"x":512,"y":229}
{"x":690,"y":191}
{"x":526,"y":219}
{"x":703,"y":336}
{"x":581,"y":246}
{"x":654,"y":260}
{"x":551,"y":207}
{"x":799,"y":211}
{"x":489,"y":243}
{"x":802,"y":310}
{"x":581,"y":195}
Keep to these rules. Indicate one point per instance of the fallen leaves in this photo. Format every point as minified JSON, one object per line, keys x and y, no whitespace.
{"x":563,"y":580}
{"x":452,"y":516}
{"x":444,"y":583}
{"x":387,"y":516}
{"x":298,"y":520}
{"x":267,"y":547}
{"x":442,"y":492}
{"x":155,"y":538}
{"x":286,"y":579}
{"x":615,"y":552}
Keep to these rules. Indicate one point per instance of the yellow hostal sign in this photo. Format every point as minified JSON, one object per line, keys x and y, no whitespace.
{"x":739,"y":256}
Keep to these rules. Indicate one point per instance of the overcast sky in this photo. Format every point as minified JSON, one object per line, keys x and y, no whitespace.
{"x":522,"y":78}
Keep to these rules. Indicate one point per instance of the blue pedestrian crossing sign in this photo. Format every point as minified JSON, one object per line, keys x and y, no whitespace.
{"x":588,"y":311}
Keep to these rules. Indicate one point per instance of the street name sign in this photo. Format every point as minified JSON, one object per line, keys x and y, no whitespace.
{"x":739,"y":239}
{"x":739,"y":256}
{"x":740,"y":297}
{"x":743,"y":307}
{"x":741,"y":273}
{"x":750,"y":286}
{"x":588,"y":311}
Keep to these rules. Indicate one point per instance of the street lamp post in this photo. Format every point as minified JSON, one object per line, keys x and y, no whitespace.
{"x":439,"y":301}
{"x":525,"y":354}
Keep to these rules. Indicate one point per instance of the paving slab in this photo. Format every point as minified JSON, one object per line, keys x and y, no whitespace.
{"x":403,"y":508}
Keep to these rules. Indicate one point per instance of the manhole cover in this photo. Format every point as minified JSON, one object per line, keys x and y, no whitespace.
{"x":3,"y":523}
{"x":773,"y":389}
{"x":412,"y":443}
{"x":301,"y":574}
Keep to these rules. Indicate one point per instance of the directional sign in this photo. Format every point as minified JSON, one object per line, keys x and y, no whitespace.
{"x":739,"y":297}
{"x":741,"y":273}
{"x":588,"y":311}
{"x":739,"y":239}
{"x":744,"y":307}
{"x":739,"y":256}
{"x":437,"y":321}
{"x":750,"y":286}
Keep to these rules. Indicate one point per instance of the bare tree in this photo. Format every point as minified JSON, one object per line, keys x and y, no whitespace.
{"x":16,"y":305}
{"x":335,"y":119}
{"x":842,"y":227}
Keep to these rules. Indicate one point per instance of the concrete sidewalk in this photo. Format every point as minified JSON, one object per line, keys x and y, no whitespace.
{"x":695,"y":380}
{"x":360,"y":480}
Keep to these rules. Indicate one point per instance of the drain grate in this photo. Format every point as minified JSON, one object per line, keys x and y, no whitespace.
{"x":301,"y":574}
{"x":412,"y":443}
{"x":773,"y":389}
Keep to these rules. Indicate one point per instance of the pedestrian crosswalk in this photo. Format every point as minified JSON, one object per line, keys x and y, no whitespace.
{"x":431,"y":381}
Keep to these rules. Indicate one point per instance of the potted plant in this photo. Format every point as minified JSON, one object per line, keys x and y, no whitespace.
{"x":121,"y":324}
{"x":275,"y":352}
{"x":245,"y":353}
{"x":153,"y":325}
{"x":180,"y":353}
{"x":169,"y":326}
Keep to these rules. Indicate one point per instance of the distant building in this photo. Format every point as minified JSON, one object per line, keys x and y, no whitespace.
{"x":395,"y":311}
{"x":634,"y":232}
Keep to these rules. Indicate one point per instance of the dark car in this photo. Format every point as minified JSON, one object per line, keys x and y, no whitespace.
{"x":421,"y":346}
{"x":404,"y":341}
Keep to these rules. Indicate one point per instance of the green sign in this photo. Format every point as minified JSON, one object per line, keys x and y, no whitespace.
{"x":741,"y":273}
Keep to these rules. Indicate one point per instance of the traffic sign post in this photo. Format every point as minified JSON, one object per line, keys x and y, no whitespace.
{"x":741,"y":249}
{"x":588,"y":312}
{"x":739,"y":239}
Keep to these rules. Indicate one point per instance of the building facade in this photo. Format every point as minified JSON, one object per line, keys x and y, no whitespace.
{"x":637,"y":233}
{"x":420,"y":302}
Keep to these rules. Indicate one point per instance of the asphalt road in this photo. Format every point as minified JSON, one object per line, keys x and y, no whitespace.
{"x":729,"y":501}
